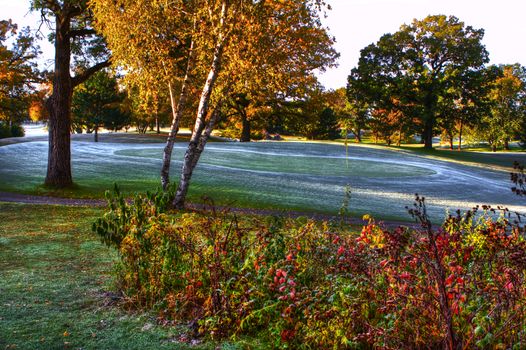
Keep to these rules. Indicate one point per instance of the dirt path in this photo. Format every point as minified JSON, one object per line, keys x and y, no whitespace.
{"x":47,"y":200}
{"x":31,"y":199}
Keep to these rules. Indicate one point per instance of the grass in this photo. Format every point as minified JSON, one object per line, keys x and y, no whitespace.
{"x":56,"y":285}
{"x":306,"y":177}
{"x":479,"y":155}
{"x":473,"y":157}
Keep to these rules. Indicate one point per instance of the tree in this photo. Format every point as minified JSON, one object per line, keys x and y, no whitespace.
{"x":277,"y":61}
{"x":18,"y":73}
{"x":465,"y":104}
{"x":96,"y":103}
{"x":314,"y":116}
{"x":157,"y":44}
{"x":75,"y":38}
{"x":208,"y":46}
{"x":351,"y":113}
{"x":508,"y":97}
{"x":417,"y":66}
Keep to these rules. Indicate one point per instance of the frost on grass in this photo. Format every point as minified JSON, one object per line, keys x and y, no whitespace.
{"x":285,"y":175}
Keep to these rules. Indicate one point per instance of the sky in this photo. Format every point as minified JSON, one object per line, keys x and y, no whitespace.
{"x":358,"y":23}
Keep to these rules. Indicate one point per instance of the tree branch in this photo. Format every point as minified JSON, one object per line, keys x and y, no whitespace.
{"x":74,"y":33}
{"x":82,"y":77}
{"x":53,"y":5}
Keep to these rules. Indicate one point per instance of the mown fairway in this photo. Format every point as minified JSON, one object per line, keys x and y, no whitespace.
{"x":283,"y":175}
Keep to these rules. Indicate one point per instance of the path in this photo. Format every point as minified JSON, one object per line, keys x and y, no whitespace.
{"x":31,"y":199}
{"x":47,"y":200}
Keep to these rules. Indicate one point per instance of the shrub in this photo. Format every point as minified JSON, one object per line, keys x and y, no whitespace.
{"x":302,"y":284}
{"x":17,"y":131}
{"x":10,"y":131}
{"x":4,"y":130}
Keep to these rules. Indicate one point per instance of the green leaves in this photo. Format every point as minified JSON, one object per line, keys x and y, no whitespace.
{"x":414,"y":71}
{"x":97,"y":103}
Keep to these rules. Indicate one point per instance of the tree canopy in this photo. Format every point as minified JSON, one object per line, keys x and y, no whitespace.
{"x":416,"y":71}
{"x":18,"y":72}
{"x":213,"y":50}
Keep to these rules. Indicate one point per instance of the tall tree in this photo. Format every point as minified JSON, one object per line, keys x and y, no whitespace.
{"x":154,"y":43}
{"x":18,"y":72}
{"x":274,"y":59}
{"x":351,"y":112}
{"x":73,"y":37}
{"x":508,"y":95}
{"x":418,"y":65}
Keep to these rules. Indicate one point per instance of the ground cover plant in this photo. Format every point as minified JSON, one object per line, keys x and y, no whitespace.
{"x":302,"y":284}
{"x":57,"y":290}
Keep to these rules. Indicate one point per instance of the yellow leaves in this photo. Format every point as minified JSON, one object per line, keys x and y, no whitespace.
{"x":130,"y":246}
{"x":37,"y":111}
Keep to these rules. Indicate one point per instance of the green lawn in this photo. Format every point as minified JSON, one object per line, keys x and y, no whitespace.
{"x":300,"y":176}
{"x":472,"y":157}
{"x":56,"y":287}
{"x":476,"y":155}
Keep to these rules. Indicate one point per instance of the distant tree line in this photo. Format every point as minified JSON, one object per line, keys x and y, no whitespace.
{"x":430,"y":78}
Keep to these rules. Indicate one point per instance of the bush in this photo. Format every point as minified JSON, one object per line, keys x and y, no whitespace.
{"x":17,"y":131}
{"x":301,"y":284}
{"x":13,"y":131}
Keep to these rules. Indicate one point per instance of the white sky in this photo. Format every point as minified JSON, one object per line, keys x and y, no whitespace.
{"x":358,"y":23}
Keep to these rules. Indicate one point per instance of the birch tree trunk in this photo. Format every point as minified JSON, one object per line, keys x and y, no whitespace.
{"x":206,"y":93}
{"x":460,"y":135}
{"x":206,"y":134}
{"x":177,"y":112}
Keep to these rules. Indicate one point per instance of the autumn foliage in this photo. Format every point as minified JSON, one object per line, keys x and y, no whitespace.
{"x":302,"y":284}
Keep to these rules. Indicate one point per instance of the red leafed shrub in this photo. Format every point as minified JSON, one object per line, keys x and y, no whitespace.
{"x":301,"y":284}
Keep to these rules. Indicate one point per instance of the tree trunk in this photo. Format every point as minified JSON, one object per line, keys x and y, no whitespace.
{"x":59,"y":103}
{"x":96,"y":137}
{"x":460,"y":135}
{"x":245,"y":129}
{"x":206,"y":134}
{"x":429,"y":121}
{"x":427,"y":135}
{"x":59,"y":108}
{"x":506,"y":144}
{"x":157,"y":126}
{"x":202,"y":110}
{"x":358,"y":135}
{"x":177,"y":112}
